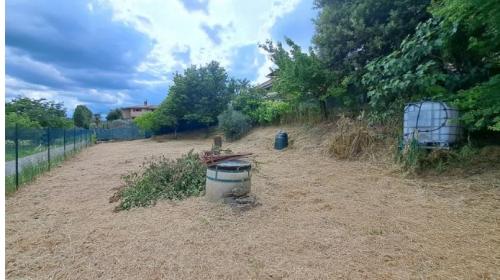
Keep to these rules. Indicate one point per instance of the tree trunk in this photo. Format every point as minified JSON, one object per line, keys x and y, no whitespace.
{"x":175,"y":132}
{"x":324,"y":111}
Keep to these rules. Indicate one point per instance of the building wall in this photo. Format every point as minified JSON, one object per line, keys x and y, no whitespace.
{"x":126,"y":114}
{"x":132,"y":113}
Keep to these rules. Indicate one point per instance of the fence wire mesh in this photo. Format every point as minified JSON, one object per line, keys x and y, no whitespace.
{"x":131,"y":132}
{"x":31,"y":151}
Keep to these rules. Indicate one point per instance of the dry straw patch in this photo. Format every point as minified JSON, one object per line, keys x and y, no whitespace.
{"x":352,"y":139}
{"x":320,"y":218}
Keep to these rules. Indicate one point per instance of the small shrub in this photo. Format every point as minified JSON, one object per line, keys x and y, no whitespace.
{"x":233,"y":124}
{"x":163,"y":178}
{"x":352,"y":138}
{"x":270,"y":111}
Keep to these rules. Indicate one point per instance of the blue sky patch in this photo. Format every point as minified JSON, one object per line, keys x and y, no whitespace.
{"x":196,"y":5}
{"x":105,"y":54}
{"x":213,"y":33}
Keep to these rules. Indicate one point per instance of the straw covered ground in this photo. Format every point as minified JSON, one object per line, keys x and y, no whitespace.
{"x":319,"y":218}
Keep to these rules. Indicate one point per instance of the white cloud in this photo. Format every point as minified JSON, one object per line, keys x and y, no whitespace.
{"x":174,"y":28}
{"x":70,"y":98}
{"x":177,"y":35}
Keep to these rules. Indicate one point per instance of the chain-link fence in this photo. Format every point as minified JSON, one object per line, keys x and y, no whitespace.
{"x":130,"y":132}
{"x":31,"y":151}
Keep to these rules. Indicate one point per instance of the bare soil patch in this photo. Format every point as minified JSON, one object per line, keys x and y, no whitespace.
{"x":318,"y":218}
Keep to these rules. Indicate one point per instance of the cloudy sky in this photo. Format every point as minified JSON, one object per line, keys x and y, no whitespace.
{"x":112,"y":53}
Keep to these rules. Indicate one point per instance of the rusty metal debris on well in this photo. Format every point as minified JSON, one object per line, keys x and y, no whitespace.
{"x":210,"y":158}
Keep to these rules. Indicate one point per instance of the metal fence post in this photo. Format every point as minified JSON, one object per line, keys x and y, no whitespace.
{"x":64,"y":142}
{"x":74,"y":139}
{"x":17,"y":156}
{"x":48,"y":146}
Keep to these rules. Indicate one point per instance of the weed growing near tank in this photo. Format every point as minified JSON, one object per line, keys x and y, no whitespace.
{"x":163,"y":178}
{"x":416,"y":160}
{"x":410,"y":157}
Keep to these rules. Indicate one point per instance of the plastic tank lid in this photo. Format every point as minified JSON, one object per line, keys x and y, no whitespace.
{"x":234,"y":164}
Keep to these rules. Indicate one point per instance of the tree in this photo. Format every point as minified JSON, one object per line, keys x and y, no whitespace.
{"x":115,"y":114}
{"x":452,"y":57}
{"x":97,"y":119}
{"x":22,"y":121}
{"x":248,"y":101}
{"x":145,"y":121}
{"x":349,"y":34}
{"x":82,"y":116}
{"x":36,"y":113}
{"x":414,"y":71}
{"x":301,"y":77}
{"x":196,"y":98}
{"x":480,"y":106}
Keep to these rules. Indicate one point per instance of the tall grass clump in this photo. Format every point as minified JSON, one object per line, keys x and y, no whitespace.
{"x":162,"y":178}
{"x":410,"y":156}
{"x":233,"y":124}
{"x":416,"y":160}
{"x":29,"y":173}
{"x":352,"y":138}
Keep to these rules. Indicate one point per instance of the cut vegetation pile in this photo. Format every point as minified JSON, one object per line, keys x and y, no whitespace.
{"x":352,"y":139}
{"x":163,"y":178}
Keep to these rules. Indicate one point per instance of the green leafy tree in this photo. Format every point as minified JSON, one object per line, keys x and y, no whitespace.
{"x":271,"y":111}
{"x":480,"y":106}
{"x":477,"y":24}
{"x":248,"y":101}
{"x":115,"y":114}
{"x":349,"y":34}
{"x":197,"y":97}
{"x":146,"y":121}
{"x":413,"y":72}
{"x":300,"y":76}
{"x":82,"y":116}
{"x":36,"y":113}
{"x":22,"y":121}
{"x":258,"y":106}
{"x":457,"y":51}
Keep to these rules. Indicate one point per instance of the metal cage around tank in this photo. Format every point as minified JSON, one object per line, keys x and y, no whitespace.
{"x":432,"y":124}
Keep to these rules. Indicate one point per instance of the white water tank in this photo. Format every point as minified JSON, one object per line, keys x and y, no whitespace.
{"x":228,"y":179}
{"x":432,"y":124}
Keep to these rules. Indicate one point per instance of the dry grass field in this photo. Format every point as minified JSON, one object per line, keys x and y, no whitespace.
{"x":318,"y":218}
